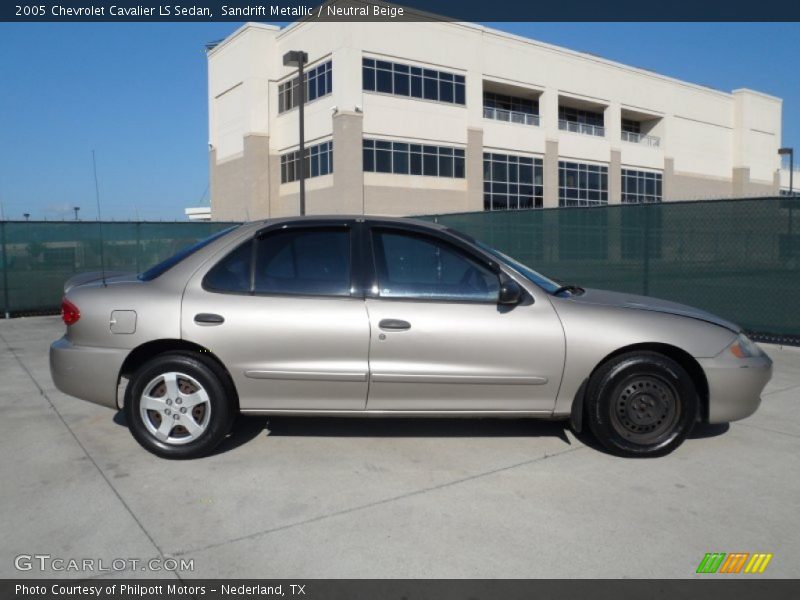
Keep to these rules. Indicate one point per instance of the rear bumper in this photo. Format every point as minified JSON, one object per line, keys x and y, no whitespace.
{"x":85,"y":372}
{"x":735,"y":385}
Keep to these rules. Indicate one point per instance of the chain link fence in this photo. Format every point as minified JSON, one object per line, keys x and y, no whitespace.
{"x":739,"y":259}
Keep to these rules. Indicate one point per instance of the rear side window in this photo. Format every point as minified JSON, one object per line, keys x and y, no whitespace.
{"x":181,"y":255}
{"x":304,"y":262}
{"x":423,"y":267}
{"x":232,"y":273}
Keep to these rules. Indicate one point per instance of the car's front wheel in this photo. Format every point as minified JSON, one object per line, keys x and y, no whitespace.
{"x":178,"y":406}
{"x":641,"y":404}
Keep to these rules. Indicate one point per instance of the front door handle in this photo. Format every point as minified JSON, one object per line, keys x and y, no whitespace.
{"x":394,"y":325}
{"x":209,"y":319}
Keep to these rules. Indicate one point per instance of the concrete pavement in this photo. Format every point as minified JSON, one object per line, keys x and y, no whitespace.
{"x":302,"y":498}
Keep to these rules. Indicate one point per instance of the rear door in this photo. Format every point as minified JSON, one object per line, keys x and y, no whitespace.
{"x":439,"y":339}
{"x":284,"y":315}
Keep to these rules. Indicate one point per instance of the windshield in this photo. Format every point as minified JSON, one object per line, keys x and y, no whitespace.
{"x":537,"y":278}
{"x":166,"y":265}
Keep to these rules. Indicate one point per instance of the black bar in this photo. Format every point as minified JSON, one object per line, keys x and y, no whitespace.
{"x":285,"y":11}
{"x":706,"y":587}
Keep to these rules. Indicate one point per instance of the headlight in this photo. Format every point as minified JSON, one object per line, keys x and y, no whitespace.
{"x":744,"y":347}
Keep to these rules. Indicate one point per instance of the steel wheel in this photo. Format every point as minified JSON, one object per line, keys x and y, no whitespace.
{"x":645,"y":409}
{"x":175,"y":408}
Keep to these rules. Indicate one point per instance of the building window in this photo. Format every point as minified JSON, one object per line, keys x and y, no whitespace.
{"x":640,"y":187}
{"x":511,"y":182}
{"x":582,"y":184}
{"x":631,"y":126}
{"x":413,"y":82}
{"x":382,"y":156}
{"x":319,"y":161}
{"x":319,"y":83}
{"x":581,"y":121}
{"x":510,"y":108}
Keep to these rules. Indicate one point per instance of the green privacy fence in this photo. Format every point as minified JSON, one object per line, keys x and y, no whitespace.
{"x":37,"y":257}
{"x":739,"y":259}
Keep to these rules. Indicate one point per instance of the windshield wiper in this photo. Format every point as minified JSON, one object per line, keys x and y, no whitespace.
{"x":574,"y":289}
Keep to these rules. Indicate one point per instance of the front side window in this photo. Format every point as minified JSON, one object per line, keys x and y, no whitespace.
{"x":422,"y":267}
{"x":304,"y":262}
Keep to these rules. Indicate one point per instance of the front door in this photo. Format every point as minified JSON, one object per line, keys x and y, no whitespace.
{"x":440,"y":341}
{"x":279,"y":312}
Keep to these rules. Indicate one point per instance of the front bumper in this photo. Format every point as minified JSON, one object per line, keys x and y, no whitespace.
{"x":85,"y":372}
{"x":735,"y":385}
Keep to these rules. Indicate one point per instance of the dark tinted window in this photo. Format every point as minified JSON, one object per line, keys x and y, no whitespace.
{"x":417,"y":266}
{"x":173,"y":260}
{"x":232,"y":273}
{"x":304,"y":262}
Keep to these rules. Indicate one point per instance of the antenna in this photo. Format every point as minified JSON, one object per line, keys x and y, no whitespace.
{"x":99,"y":222}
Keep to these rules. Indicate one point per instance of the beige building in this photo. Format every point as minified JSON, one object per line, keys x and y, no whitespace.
{"x":436,"y":117}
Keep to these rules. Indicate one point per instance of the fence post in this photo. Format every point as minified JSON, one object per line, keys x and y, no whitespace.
{"x":646,"y":259}
{"x":138,"y":241}
{"x":6,"y":307}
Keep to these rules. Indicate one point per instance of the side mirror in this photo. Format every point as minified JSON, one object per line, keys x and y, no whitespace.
{"x":510,"y":293}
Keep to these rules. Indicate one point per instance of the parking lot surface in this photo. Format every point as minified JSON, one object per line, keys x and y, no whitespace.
{"x":325,"y":497}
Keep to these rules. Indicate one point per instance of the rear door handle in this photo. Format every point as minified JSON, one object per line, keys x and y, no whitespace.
{"x":209,"y":319}
{"x":394,"y":325}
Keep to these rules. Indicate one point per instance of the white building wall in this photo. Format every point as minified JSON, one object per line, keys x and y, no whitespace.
{"x":703,"y":133}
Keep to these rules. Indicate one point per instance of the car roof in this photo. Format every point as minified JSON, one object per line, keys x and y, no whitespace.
{"x":339,"y":218}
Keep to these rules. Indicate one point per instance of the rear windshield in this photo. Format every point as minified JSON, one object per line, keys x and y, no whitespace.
{"x":166,"y":265}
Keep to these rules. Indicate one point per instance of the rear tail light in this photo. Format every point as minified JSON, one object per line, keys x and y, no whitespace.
{"x":69,"y":312}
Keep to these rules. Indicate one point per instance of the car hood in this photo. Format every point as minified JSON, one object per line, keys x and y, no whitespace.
{"x":634,"y":302}
{"x":110,"y":277}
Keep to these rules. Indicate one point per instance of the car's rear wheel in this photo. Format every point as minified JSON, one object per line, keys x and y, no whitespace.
{"x":641,"y":404}
{"x":179,"y":406}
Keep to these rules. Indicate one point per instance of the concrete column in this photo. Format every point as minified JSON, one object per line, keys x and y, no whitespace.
{"x":550,"y":167}
{"x":256,"y":175}
{"x":668,"y":180}
{"x":474,"y":168}
{"x":348,"y":169}
{"x":548,"y":107}
{"x":613,"y":123}
{"x":741,"y":181}
{"x":213,"y":195}
{"x":615,"y":178}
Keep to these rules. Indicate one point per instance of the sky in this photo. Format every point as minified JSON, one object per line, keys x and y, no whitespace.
{"x":136,"y":95}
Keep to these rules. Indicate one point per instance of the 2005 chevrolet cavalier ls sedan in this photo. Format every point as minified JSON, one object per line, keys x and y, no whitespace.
{"x":384,"y":317}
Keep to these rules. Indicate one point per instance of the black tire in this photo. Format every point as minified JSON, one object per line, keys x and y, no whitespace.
{"x":641,"y":404}
{"x":194,"y":375}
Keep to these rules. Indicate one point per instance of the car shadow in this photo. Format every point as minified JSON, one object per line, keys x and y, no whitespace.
{"x":700,"y":431}
{"x":247,"y":428}
{"x":415,"y":427}
{"x":244,"y":430}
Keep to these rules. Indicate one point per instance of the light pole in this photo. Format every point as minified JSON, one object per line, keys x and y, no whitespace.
{"x":76,"y":209}
{"x":298,"y":58}
{"x":790,"y":152}
{"x":790,"y":235}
